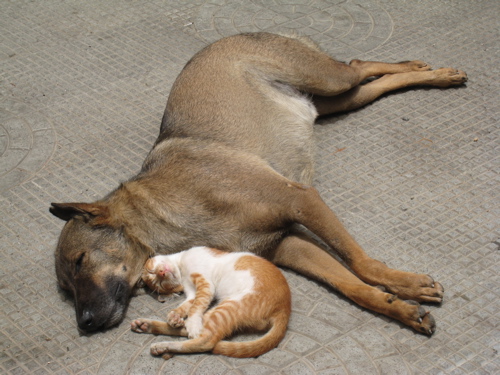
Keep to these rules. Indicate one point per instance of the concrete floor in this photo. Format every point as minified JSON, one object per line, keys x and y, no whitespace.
{"x":414,"y":176}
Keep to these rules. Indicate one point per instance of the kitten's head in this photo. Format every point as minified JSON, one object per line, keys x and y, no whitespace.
{"x":159,"y":275}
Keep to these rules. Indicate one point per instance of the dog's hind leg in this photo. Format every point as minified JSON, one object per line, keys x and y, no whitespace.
{"x":363,"y":94}
{"x":302,"y":255}
{"x":329,"y":77}
{"x":299,"y":63}
{"x":307,"y":208}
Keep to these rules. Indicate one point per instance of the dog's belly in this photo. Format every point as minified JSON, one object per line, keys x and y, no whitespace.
{"x":247,"y":109}
{"x":288,"y":143}
{"x":280,"y":131}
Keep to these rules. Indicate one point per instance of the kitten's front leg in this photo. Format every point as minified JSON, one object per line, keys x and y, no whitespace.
{"x":176,"y":317}
{"x":203,"y":298}
{"x":156,"y":327}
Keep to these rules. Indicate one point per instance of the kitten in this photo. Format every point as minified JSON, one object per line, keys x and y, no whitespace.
{"x":251,"y":293}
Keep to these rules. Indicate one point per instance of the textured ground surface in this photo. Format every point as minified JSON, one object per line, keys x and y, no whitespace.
{"x":414,"y":176}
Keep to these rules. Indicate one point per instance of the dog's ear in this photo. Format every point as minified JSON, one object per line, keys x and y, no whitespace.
{"x":93,"y":213}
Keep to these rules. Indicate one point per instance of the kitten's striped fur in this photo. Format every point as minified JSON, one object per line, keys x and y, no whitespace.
{"x":251,"y":293}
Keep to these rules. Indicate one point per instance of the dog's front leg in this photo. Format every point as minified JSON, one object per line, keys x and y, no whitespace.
{"x":307,"y":208}
{"x":305,"y":257}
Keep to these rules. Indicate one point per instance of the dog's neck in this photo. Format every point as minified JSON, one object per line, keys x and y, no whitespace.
{"x":137,"y":209}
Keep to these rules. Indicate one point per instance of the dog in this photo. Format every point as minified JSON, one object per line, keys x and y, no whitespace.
{"x":232,"y":169}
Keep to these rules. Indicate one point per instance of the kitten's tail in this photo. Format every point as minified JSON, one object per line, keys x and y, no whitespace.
{"x":246,"y":349}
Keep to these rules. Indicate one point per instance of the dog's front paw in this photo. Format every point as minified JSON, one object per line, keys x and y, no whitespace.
{"x":422,"y":320}
{"x":417,"y":287}
{"x":194,"y":325}
{"x":414,"y":315}
{"x":174,"y":319}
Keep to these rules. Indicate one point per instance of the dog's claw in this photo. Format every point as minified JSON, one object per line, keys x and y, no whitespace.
{"x":419,"y":318}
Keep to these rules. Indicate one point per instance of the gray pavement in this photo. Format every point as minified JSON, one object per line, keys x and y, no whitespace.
{"x":414,"y":176}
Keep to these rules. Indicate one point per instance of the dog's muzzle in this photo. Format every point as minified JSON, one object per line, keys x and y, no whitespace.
{"x":100,"y":308}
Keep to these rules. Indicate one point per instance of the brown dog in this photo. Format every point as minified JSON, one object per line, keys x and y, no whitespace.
{"x":231,"y":169}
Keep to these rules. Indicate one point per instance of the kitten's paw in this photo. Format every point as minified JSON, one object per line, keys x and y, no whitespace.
{"x":175,"y":320}
{"x":166,"y":348}
{"x":140,"y":326}
{"x":194,"y":325}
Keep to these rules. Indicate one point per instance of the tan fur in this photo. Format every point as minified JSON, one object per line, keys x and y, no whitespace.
{"x":231,"y":169}
{"x":268,"y":307}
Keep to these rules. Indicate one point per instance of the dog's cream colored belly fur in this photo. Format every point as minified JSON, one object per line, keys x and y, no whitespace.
{"x":292,"y":133}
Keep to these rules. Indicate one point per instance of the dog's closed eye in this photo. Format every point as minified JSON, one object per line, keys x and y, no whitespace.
{"x":79,"y":262}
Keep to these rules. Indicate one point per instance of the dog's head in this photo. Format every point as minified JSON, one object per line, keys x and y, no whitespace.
{"x":97,"y":262}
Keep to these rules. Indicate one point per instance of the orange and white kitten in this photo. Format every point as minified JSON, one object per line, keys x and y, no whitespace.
{"x":251,"y":293}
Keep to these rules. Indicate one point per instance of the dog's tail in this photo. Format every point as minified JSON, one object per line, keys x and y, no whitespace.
{"x":246,"y":349}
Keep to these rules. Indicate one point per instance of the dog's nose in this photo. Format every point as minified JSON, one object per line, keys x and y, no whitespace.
{"x":86,"y":320}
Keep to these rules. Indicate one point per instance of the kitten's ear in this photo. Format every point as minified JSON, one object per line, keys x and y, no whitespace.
{"x":93,"y":213}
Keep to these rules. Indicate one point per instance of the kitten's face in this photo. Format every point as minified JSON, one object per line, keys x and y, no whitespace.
{"x":158,"y":275}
